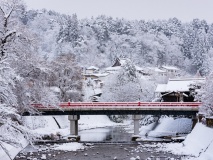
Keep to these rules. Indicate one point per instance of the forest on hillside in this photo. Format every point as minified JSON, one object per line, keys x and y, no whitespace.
{"x":98,"y":41}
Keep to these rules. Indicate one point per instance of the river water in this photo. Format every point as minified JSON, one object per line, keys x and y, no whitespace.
{"x":113,"y":134}
{"x":104,"y":144}
{"x":107,"y":134}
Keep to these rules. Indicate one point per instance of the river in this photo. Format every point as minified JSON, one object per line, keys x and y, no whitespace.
{"x":104,"y":144}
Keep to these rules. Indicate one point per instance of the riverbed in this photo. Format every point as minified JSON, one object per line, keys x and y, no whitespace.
{"x":101,"y":144}
{"x":103,"y":151}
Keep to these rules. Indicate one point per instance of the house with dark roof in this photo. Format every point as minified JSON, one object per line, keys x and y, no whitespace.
{"x":179,"y":90}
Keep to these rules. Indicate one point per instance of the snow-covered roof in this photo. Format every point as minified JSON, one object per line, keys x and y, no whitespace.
{"x":90,"y":75}
{"x":97,"y":91}
{"x":101,"y":74}
{"x":123,"y":61}
{"x":159,"y":70}
{"x":170,"y":67}
{"x":156,"y":69}
{"x":120,"y":62}
{"x":179,"y":85}
{"x":139,"y":68}
{"x":92,"y":68}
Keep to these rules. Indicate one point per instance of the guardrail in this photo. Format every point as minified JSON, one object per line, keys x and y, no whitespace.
{"x":121,"y":104}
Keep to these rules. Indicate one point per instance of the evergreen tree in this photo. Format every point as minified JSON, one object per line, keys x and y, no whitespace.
{"x":69,"y":32}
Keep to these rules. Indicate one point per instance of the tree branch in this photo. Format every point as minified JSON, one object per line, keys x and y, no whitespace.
{"x":8,"y":16}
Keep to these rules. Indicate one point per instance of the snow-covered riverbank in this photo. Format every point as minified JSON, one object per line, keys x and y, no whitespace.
{"x":8,"y":150}
{"x":46,"y":125}
{"x":60,"y":124}
{"x":198,"y":144}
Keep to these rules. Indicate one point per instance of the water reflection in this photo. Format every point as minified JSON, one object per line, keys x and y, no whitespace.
{"x":98,"y":134}
{"x":109,"y":134}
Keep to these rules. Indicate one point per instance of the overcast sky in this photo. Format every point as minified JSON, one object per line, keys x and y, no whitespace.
{"x":185,"y":10}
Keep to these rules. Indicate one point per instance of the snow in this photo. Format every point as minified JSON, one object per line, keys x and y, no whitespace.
{"x":138,"y":68}
{"x":97,"y":134}
{"x":170,"y":68}
{"x":123,"y":61}
{"x":74,"y":146}
{"x":207,"y":154}
{"x":167,"y":126}
{"x":113,"y":68}
{"x":198,"y":143}
{"x":92,"y":68}
{"x":101,"y":74}
{"x":12,"y":150}
{"x":146,"y":129}
{"x":155,"y":69}
{"x":161,"y":88}
{"x":55,"y":89}
{"x":97,"y":91}
{"x":41,"y":124}
{"x":88,"y":122}
{"x":46,"y":124}
{"x":171,"y":127}
{"x":10,"y":32}
{"x":181,"y":85}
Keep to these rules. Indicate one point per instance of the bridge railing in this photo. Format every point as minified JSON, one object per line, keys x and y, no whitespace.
{"x":121,"y":104}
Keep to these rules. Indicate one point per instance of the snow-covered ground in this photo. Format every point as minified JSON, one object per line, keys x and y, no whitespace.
{"x":47,"y":124}
{"x":74,"y":146}
{"x":171,"y":127}
{"x":7,"y":150}
{"x":199,"y":144}
{"x":167,"y":126}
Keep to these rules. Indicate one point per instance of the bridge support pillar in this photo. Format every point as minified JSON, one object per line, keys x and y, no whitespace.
{"x":74,"y":126}
{"x":136,"y":119}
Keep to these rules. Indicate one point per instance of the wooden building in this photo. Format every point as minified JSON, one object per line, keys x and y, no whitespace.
{"x":179,"y":90}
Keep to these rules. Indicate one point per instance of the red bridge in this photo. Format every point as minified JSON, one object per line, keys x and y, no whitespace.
{"x":115,"y":108}
{"x":75,"y":109}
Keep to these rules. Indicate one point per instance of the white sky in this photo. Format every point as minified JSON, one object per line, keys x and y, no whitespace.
{"x":184,"y":10}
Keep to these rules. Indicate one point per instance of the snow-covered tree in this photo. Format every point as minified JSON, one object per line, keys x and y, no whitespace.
{"x":19,"y":69}
{"x":206,"y":95}
{"x":126,"y":86}
{"x":69,"y":32}
{"x":66,"y":75}
{"x":10,"y":120}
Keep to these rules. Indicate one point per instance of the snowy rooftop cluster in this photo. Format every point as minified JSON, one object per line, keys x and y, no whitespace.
{"x":181,"y":85}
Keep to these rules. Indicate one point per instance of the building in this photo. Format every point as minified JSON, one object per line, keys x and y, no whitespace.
{"x":156,"y":72}
{"x":171,"y":70}
{"x":92,"y":70}
{"x":119,"y":62}
{"x":117,"y":65}
{"x":179,"y":90}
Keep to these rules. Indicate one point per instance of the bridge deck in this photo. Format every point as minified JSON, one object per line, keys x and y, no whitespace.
{"x":115,"y":108}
